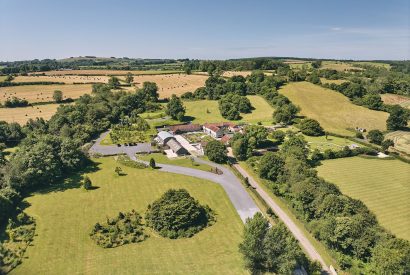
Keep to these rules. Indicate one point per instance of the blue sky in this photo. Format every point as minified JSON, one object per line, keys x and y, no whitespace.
{"x":220,"y":29}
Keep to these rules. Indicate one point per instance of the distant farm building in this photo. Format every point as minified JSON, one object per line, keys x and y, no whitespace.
{"x":217,"y":130}
{"x":186,"y":128}
{"x":167,"y":139}
{"x":163,"y":137}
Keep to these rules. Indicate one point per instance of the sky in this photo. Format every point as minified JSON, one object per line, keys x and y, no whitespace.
{"x":211,"y":29}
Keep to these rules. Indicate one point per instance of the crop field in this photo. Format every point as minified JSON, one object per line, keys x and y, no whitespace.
{"x":62,"y":244}
{"x":329,"y":81}
{"x":22,"y":114}
{"x":203,"y":111}
{"x":383,"y":185}
{"x":111,"y":72}
{"x":393,"y":99}
{"x":172,"y":83}
{"x":401,"y":141}
{"x":331,"y":142}
{"x":43,"y":93}
{"x":333,"y":110}
{"x":69,"y":79}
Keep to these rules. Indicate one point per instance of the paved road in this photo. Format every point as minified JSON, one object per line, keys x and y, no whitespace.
{"x":110,"y":150}
{"x":239,"y":197}
{"x":293,"y":228}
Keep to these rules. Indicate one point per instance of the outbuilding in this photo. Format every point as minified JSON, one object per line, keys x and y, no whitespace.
{"x":163,"y":137}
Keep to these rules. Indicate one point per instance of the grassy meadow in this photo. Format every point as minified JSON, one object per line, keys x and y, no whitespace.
{"x":203,"y":111}
{"x":333,"y":110}
{"x":180,"y":161}
{"x":382,"y":184}
{"x":64,"y":220}
{"x":332,"y":142}
{"x":43,"y":93}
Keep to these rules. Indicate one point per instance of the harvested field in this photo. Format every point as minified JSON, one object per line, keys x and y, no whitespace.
{"x":333,"y":110}
{"x":382,"y":184}
{"x":69,"y":79}
{"x":401,"y":141}
{"x":43,"y":93}
{"x":172,"y":83}
{"x":109,"y":72}
{"x":392,"y":99}
{"x":22,"y":115}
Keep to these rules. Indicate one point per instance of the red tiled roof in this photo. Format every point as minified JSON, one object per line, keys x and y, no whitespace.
{"x":216,"y":126}
{"x":225,"y":139}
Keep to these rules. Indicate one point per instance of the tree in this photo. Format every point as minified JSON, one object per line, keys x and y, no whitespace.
{"x":175,"y":108}
{"x":391,"y":256}
{"x":114,"y":82}
{"x":129,"y":78}
{"x":87,"y":184}
{"x":398,"y":118}
{"x":375,"y":136}
{"x":150,"y":91}
{"x":311,"y":127}
{"x":372,"y":101}
{"x":257,"y":133}
{"x":58,"y":96}
{"x":386,"y":144}
{"x":285,"y":113}
{"x":152,"y":163}
{"x":241,"y":149}
{"x":278,"y":135}
{"x":271,"y":166}
{"x":252,"y":245}
{"x":216,"y":151}
{"x":176,"y":214}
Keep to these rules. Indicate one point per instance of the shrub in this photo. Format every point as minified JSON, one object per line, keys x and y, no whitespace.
{"x":87,"y":184}
{"x":152,"y":163}
{"x":124,"y":229}
{"x":375,"y":136}
{"x":176,"y":215}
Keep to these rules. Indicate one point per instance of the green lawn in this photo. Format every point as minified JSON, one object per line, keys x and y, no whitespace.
{"x":203,"y":111}
{"x":180,"y":161}
{"x":332,"y":142}
{"x":333,"y":110}
{"x":136,"y":136}
{"x":64,"y":220}
{"x":383,"y":185}
{"x":2,"y":77}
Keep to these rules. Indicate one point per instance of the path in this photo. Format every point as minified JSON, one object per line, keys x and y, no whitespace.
{"x":293,"y":228}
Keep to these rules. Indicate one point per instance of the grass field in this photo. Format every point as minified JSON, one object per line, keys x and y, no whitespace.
{"x":333,"y":110}
{"x":329,"y":81}
{"x":376,"y":64}
{"x":111,"y":72}
{"x":233,"y":73}
{"x":69,"y":79}
{"x":393,"y":99}
{"x":43,"y":93}
{"x":383,"y":185}
{"x":198,"y":110}
{"x":23,"y":114}
{"x":2,"y":78}
{"x":332,"y":142}
{"x":338,"y":66}
{"x":401,"y":141}
{"x":172,"y":83}
{"x":65,"y":218}
{"x":180,"y":161}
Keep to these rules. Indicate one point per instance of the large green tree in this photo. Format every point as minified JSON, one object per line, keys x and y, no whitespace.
{"x":398,"y":118}
{"x":175,"y":108}
{"x":216,"y":151}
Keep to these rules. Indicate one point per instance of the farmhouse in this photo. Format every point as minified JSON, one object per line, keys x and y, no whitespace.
{"x":163,"y":137}
{"x":217,"y":130}
{"x":186,"y":128}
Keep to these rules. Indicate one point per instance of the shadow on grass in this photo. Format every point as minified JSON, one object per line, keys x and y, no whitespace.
{"x":70,"y":181}
{"x":188,"y":118}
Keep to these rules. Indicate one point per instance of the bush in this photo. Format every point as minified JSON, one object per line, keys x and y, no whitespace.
{"x":15,"y":102}
{"x":152,"y":163}
{"x":87,"y":184}
{"x":216,"y":151}
{"x":176,"y":215}
{"x":124,"y":229}
{"x":311,"y":127}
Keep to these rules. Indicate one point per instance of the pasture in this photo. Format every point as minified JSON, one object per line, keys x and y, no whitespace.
{"x":329,"y":81}
{"x":22,"y":114}
{"x":333,"y":110}
{"x":172,"y":83}
{"x":234,"y":73}
{"x":382,"y":184}
{"x":203,"y":111}
{"x":62,"y":244}
{"x":2,"y":78}
{"x":392,"y":99}
{"x":180,"y":161}
{"x":69,"y":79}
{"x":331,"y":142}
{"x":43,"y":93}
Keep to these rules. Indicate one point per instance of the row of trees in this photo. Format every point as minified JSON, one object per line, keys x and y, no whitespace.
{"x":344,"y":224}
